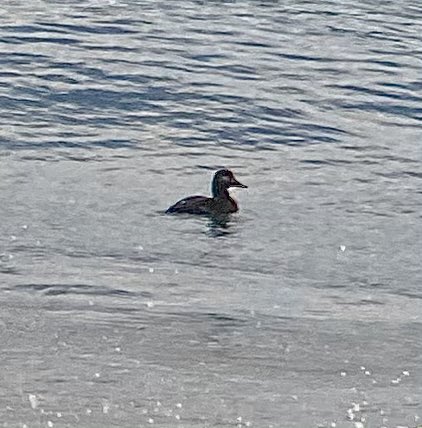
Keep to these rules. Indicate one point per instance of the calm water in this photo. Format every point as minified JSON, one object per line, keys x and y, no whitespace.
{"x":304,"y":310}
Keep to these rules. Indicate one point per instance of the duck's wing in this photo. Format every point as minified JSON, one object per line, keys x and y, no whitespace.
{"x":191,"y":205}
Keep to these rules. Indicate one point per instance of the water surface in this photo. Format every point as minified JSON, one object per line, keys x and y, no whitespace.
{"x":304,"y":309}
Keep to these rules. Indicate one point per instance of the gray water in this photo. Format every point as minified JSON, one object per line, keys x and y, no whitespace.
{"x":304,"y":310}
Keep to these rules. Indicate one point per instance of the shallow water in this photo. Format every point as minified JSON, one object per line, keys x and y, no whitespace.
{"x":304,"y":309}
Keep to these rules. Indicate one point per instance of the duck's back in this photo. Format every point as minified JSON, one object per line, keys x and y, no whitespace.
{"x":202,"y":205}
{"x":192,"y":205}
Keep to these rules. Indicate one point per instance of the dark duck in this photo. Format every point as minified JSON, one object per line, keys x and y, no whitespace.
{"x":220,"y":203}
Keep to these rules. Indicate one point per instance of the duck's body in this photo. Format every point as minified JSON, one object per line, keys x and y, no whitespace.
{"x":220,"y":203}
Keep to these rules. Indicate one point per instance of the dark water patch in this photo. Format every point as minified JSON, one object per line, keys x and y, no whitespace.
{"x":216,"y":318}
{"x":207,"y":57}
{"x":413,"y":174}
{"x":276,"y":113}
{"x":375,"y":92}
{"x":364,"y":180}
{"x":77,"y":289}
{"x":255,"y":44}
{"x":393,"y":124}
{"x":21,"y":28}
{"x":52,"y":77}
{"x":9,"y":74}
{"x":315,"y":162}
{"x":67,"y":144}
{"x":112,"y":48}
{"x":411,"y":294}
{"x":37,"y":40}
{"x":360,"y":302}
{"x":84,"y":29}
{"x":9,"y":270}
{"x":393,"y":109}
{"x":102,"y":99}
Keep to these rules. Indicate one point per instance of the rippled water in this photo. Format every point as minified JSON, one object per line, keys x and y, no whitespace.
{"x":303,"y":310}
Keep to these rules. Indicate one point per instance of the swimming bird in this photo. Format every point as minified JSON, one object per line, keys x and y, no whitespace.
{"x":220,"y":203}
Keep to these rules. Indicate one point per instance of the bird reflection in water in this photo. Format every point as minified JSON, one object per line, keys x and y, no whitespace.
{"x":219,"y":225}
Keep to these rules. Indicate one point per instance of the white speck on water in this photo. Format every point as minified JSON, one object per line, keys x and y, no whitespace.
{"x":97,"y":375}
{"x":11,"y":256}
{"x":13,"y":238}
{"x":295,"y":397}
{"x":88,"y":411}
{"x":158,"y":403}
{"x":368,"y":373}
{"x":342,"y":248}
{"x":362,"y":368}
{"x":151,"y":270}
{"x":364,"y":402}
{"x":239,"y":419}
{"x":333,"y":425}
{"x":374,"y":382}
{"x":59,"y":415}
{"x":177,"y":417}
{"x":33,"y":400}
{"x":24,"y":226}
{"x":350,"y":414}
{"x":90,"y":303}
{"x":356,"y":407}
{"x":106,"y":407}
{"x":405,"y":373}
{"x":359,"y":425}
{"x":150,"y":304}
{"x":50,"y":424}
{"x":396,"y":381}
{"x":343,"y":374}
{"x":117,"y":349}
{"x":140,"y":248}
{"x":176,"y":271}
{"x":179,"y":405}
{"x":150,"y":421}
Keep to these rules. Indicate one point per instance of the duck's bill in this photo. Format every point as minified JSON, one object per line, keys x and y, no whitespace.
{"x":235,"y":183}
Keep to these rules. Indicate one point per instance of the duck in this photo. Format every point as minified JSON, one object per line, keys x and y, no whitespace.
{"x":220,"y":203}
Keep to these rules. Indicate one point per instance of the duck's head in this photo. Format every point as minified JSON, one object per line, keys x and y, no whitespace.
{"x":223,"y":180}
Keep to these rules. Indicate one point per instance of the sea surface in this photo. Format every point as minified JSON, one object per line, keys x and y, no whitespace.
{"x":304,"y":310}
